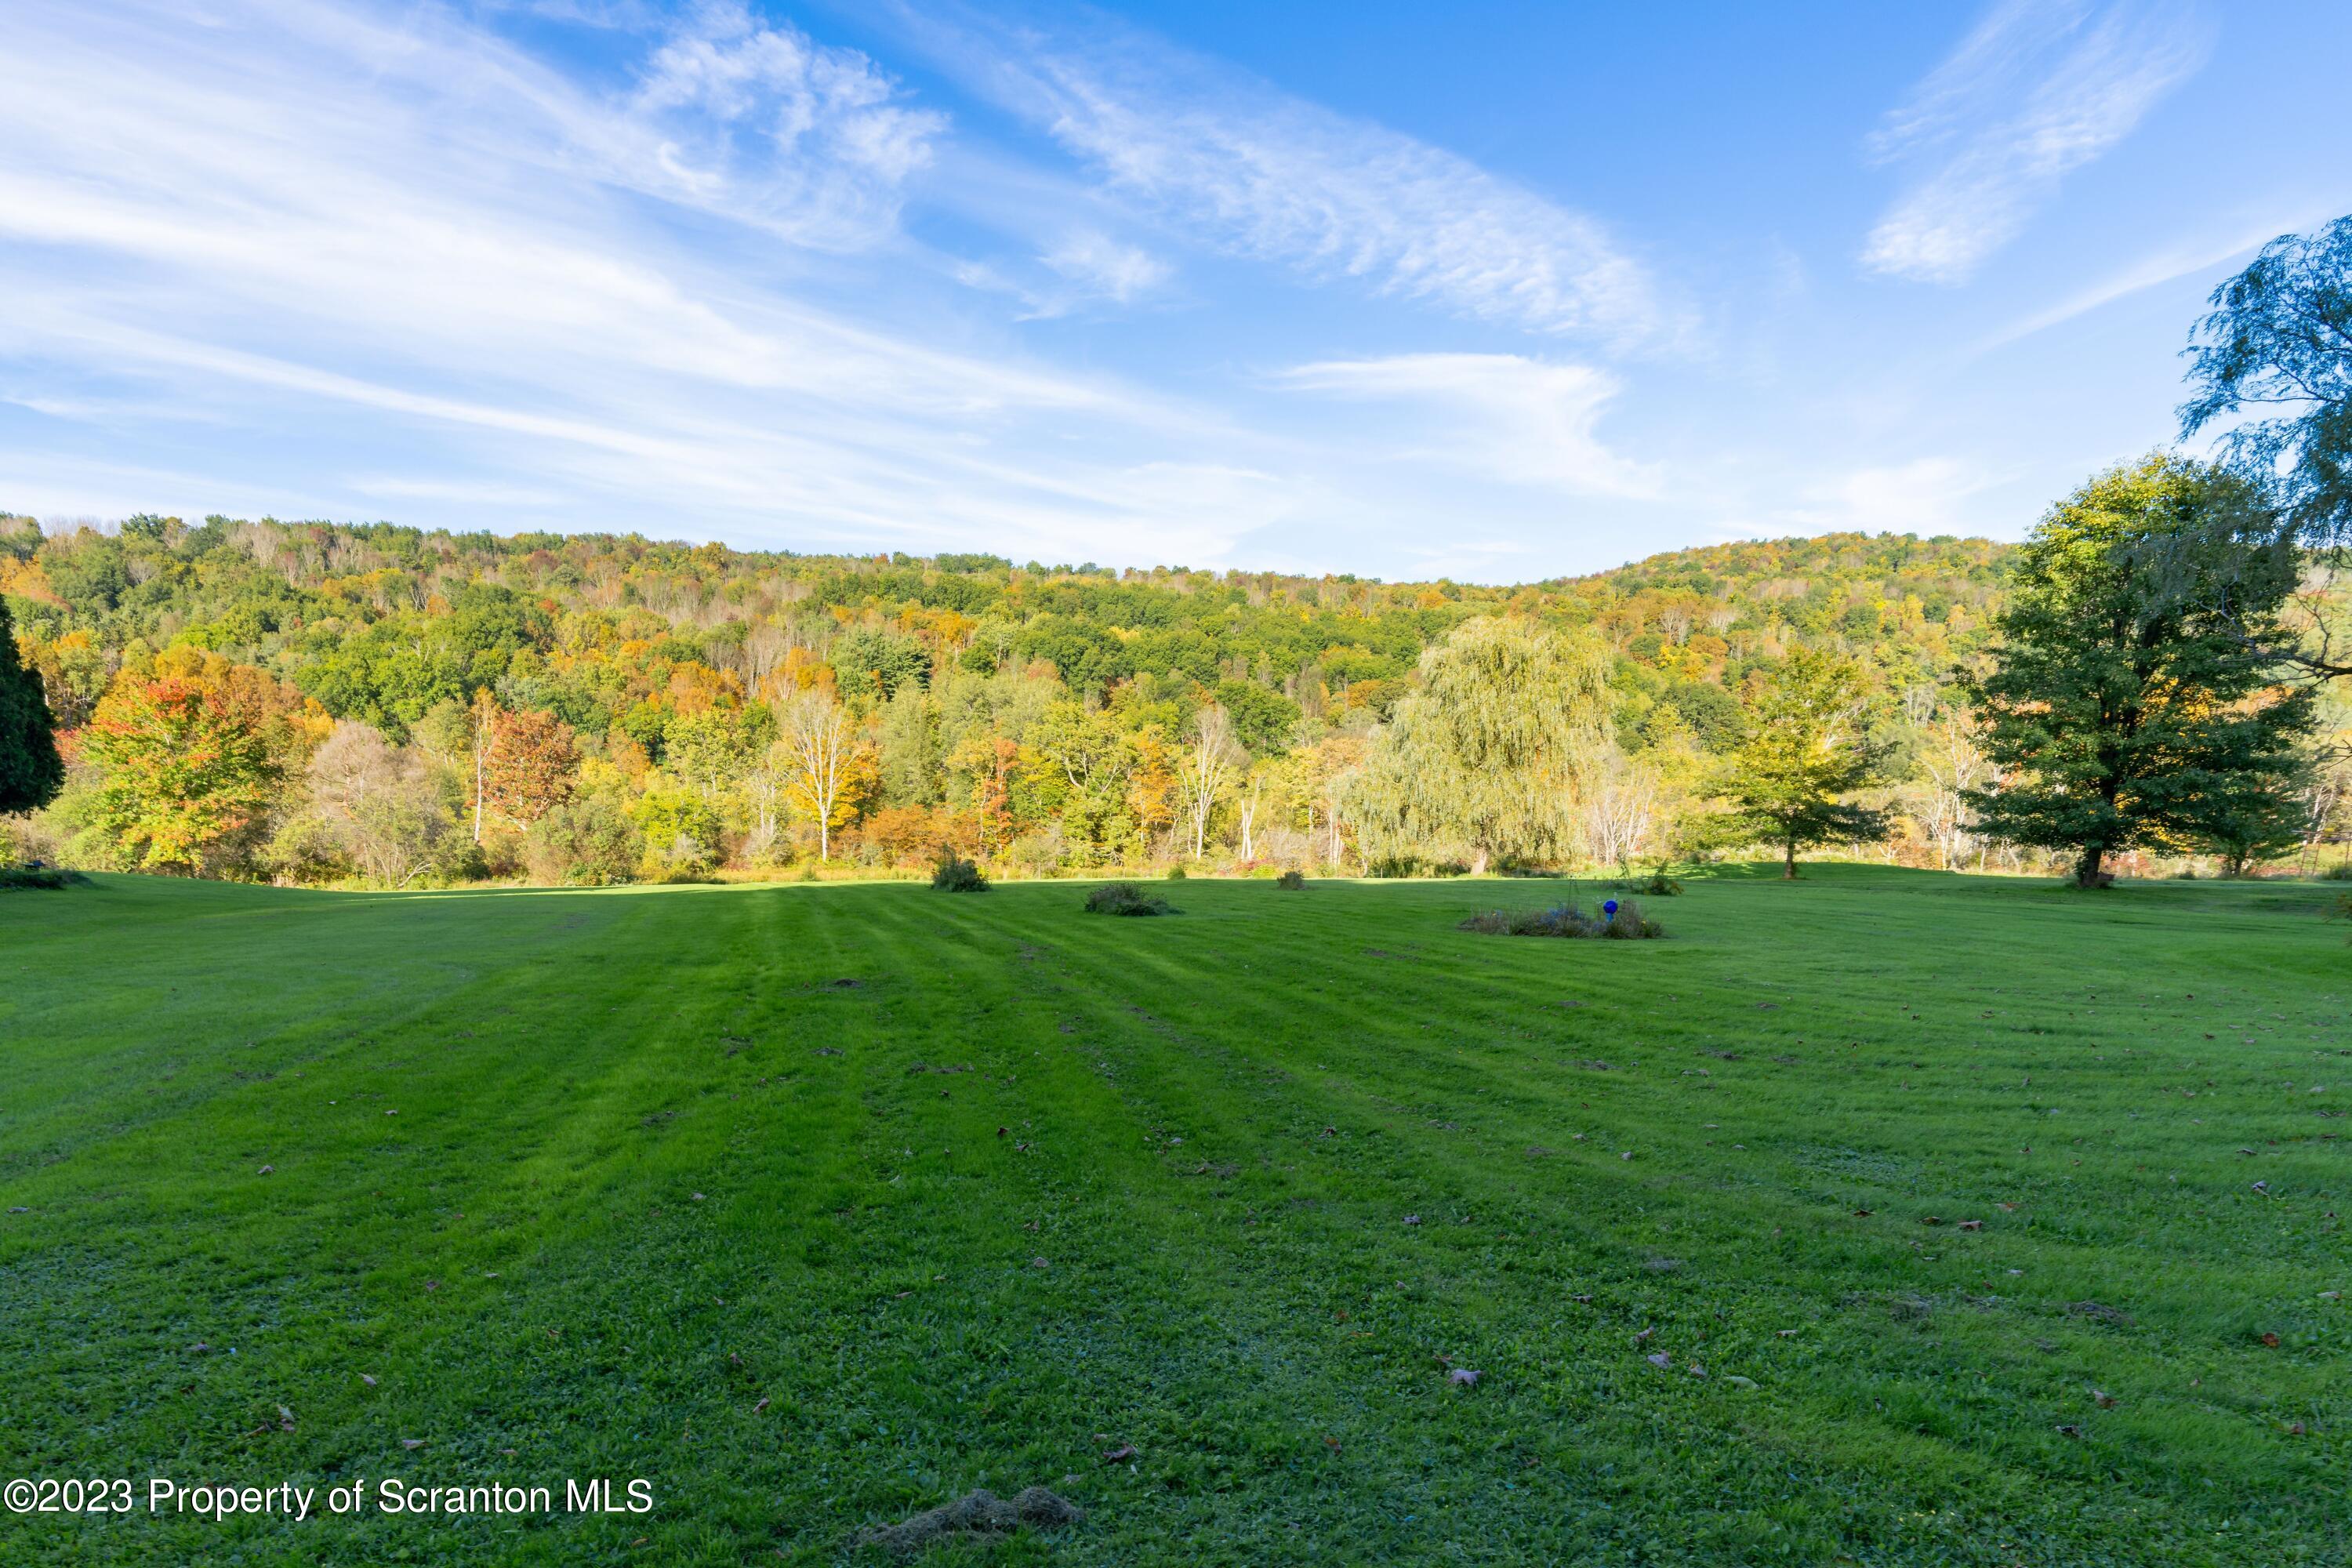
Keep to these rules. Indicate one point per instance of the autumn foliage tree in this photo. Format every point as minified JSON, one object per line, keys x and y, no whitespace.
{"x":530,"y":766}
{"x":192,"y":759}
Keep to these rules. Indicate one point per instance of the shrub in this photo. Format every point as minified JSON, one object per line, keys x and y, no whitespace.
{"x":1291,"y":882}
{"x":584,"y":841}
{"x":954,"y":874}
{"x":38,"y":878}
{"x":1661,"y":886}
{"x":1124,"y":898}
{"x":2342,"y":873}
{"x":1627,"y":924}
{"x":1177,"y":873}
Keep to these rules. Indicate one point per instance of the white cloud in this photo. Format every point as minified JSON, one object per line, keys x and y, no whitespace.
{"x":1103,"y":266}
{"x":2181,"y":259}
{"x":335,"y":229}
{"x":1226,"y":160}
{"x":768,"y":120}
{"x":1523,"y":420}
{"x":1924,"y":496}
{"x":2038,"y":89}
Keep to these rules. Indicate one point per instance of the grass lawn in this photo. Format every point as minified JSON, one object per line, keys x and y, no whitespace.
{"x":814,"y":1206}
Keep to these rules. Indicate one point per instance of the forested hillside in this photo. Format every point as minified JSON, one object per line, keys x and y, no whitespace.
{"x":377,"y":701}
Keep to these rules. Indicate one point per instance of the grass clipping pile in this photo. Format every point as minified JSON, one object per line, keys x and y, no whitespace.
{"x":981,"y":1512}
{"x":1616,"y":921}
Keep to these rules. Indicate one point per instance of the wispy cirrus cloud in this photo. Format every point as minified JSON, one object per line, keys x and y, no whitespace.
{"x":1105,"y":268}
{"x":2039,"y":88}
{"x":1225,"y":159}
{"x":335,"y":226}
{"x":1525,"y":421}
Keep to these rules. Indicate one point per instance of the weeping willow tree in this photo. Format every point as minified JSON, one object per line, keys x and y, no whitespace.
{"x":1487,"y":759}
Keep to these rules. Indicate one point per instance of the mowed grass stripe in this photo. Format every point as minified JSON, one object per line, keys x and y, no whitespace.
{"x":1266,"y":1331}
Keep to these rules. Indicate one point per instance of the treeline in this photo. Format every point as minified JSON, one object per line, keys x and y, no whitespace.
{"x":318,"y":702}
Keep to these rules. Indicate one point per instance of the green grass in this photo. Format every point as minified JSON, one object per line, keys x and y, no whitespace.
{"x":972,"y":1190}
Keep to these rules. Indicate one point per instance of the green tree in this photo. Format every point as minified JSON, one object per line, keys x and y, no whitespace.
{"x":873,"y":663}
{"x":1264,"y":721}
{"x":1808,"y":744}
{"x":911,"y":752}
{"x":2122,"y":711}
{"x":1486,"y":760}
{"x":30,"y":771}
{"x":2279,"y":337}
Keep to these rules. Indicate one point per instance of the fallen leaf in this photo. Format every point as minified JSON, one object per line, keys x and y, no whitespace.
{"x":2104,"y":1400}
{"x":1644,"y":1334}
{"x":1412,"y":1219}
{"x":1863,"y":1214}
{"x":265,"y":1170}
{"x":1462,"y":1377}
{"x":1735,"y":1380}
{"x":1039,"y":1263}
{"x":2070,"y":1431}
{"x":1929,"y":1219}
{"x":1785,"y":1333}
{"x":412,"y":1442}
{"x":1124,"y":1451}
{"x":284,"y":1419}
{"x":1660,"y":1360}
{"x":1971,"y":1225}
{"x":368,"y":1379}
{"x":2272,"y":1340}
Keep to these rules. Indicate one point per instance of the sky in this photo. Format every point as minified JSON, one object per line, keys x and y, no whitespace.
{"x":1492,"y":291}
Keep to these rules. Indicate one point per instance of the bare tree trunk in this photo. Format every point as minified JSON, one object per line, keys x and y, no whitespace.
{"x":1789,"y":859}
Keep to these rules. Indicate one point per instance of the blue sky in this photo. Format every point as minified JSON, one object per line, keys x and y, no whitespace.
{"x":1497,"y":292}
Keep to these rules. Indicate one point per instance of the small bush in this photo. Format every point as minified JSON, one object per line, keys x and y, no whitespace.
{"x":954,"y":874}
{"x":1177,"y":873}
{"x":1626,"y":924}
{"x":2342,"y":873}
{"x":1291,"y":882}
{"x":1124,"y":898}
{"x":38,"y":878}
{"x":1661,"y":886}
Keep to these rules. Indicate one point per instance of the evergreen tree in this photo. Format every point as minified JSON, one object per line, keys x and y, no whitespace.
{"x":30,"y":771}
{"x":1808,"y":743}
{"x":2122,"y":711}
